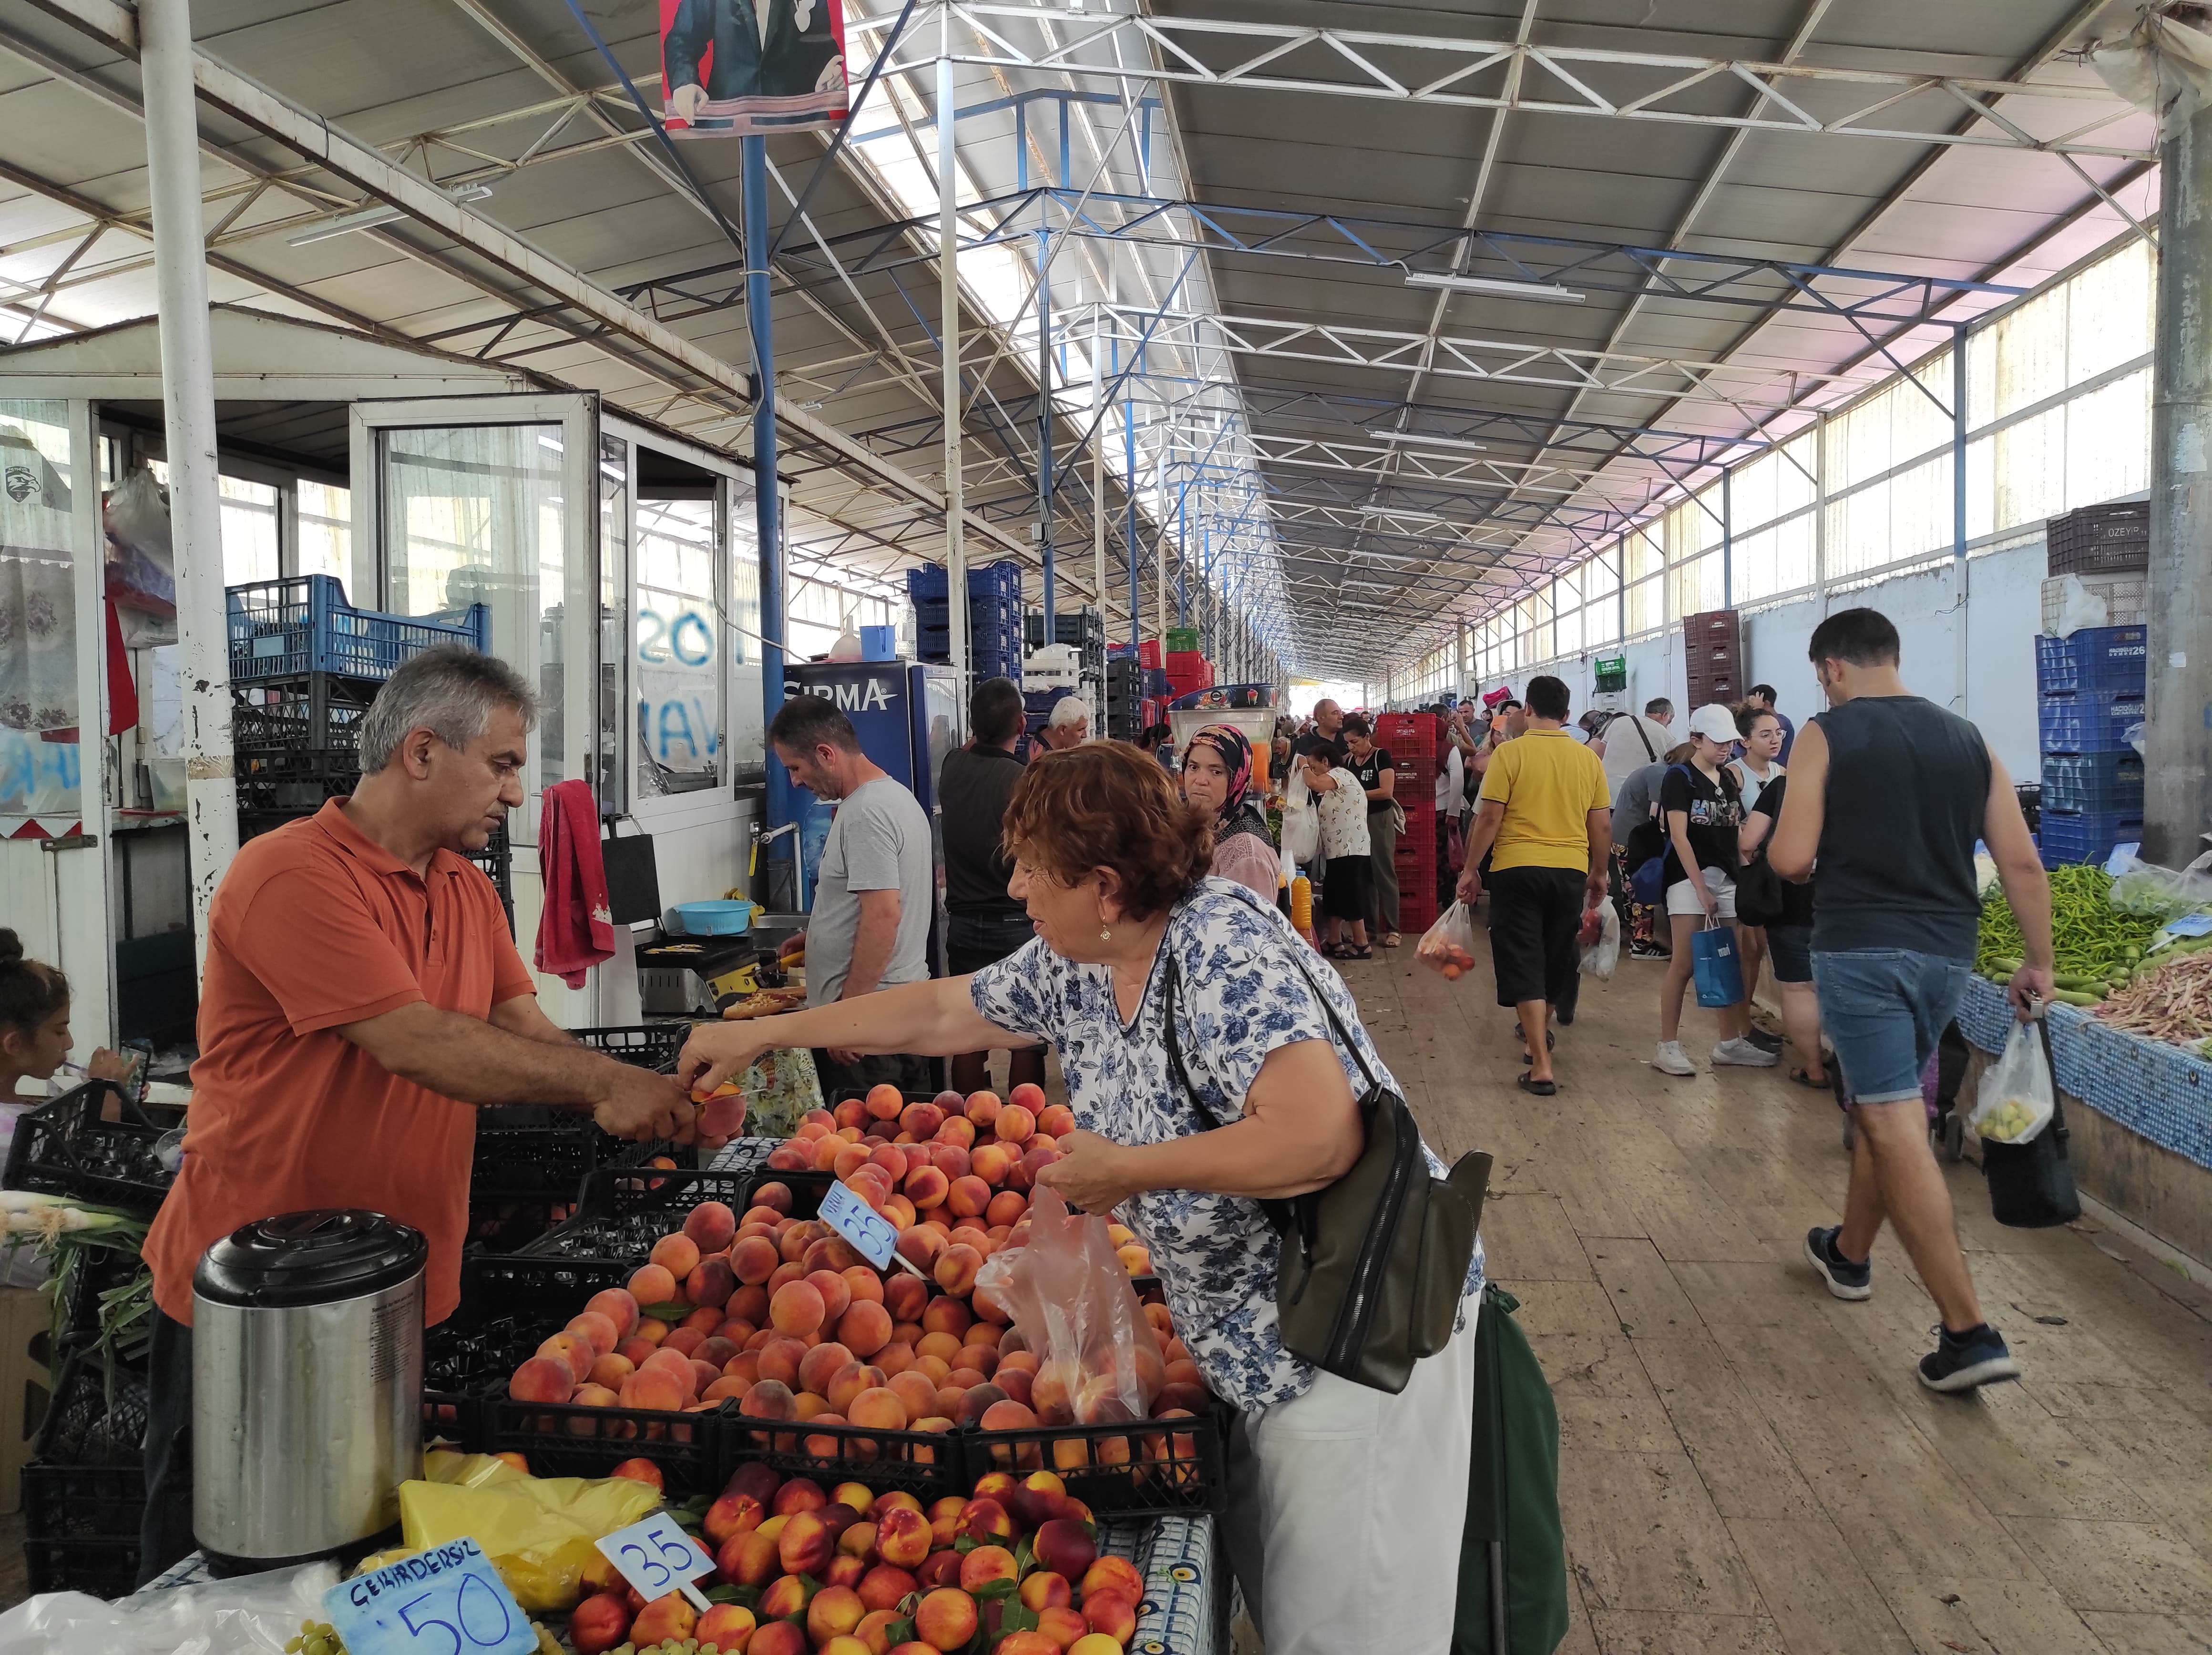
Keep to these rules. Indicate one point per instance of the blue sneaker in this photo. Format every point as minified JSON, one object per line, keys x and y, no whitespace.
{"x":1844,"y":1279}
{"x":1961,"y":1361}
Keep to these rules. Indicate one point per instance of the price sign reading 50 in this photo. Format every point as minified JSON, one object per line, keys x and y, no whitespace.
{"x":447,"y":1600}
{"x":657,"y":1558}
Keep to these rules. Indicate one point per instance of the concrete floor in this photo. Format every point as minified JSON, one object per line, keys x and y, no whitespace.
{"x":1749,"y":1466}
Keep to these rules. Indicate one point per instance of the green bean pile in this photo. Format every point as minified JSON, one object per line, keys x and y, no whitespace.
{"x":2095,"y":949}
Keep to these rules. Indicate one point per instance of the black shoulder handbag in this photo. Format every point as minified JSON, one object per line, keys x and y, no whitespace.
{"x":1374,"y":1267}
{"x":2032,"y":1184}
{"x":1760,"y":898}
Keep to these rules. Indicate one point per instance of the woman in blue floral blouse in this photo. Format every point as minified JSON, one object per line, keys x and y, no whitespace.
{"x":1346,"y":1505}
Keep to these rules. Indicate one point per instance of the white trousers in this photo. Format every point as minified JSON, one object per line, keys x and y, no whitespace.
{"x":1347,"y":1508}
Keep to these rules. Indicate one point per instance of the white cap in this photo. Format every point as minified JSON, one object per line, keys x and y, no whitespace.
{"x":1715,"y":723}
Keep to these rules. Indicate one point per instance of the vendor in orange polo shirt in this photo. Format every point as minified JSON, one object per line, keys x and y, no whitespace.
{"x":361,"y":994}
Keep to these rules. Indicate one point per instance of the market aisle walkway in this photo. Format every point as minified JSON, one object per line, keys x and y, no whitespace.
{"x":1748,"y":1466}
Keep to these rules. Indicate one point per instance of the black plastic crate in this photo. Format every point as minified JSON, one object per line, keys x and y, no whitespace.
{"x":313,"y":712}
{"x":624,"y":1210}
{"x":567,"y":1440}
{"x":1130,"y":1468}
{"x":90,"y":1275}
{"x":97,"y":1414}
{"x":106,"y":1568}
{"x":83,"y":1503}
{"x":66,"y":1148}
{"x":926,"y":1463}
{"x":294,"y":782}
{"x":2110,"y":538}
{"x":462,"y":1367}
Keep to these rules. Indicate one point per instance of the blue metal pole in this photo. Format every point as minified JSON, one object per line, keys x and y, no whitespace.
{"x":1044,"y":417}
{"x":1728,"y":542}
{"x":768,"y":507}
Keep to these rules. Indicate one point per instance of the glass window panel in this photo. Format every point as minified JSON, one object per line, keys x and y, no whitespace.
{"x":325,"y":530}
{"x":249,"y":531}
{"x":611,"y":643}
{"x":37,"y":613}
{"x":748,"y":729}
{"x":1647,"y":606}
{"x":1567,"y":633}
{"x":1920,"y":511}
{"x":1645,"y":552}
{"x":678,"y":658}
{"x":473,"y":514}
{"x":2031,"y":361}
{"x":2109,"y":311}
{"x":2108,"y":441}
{"x":2031,"y":469}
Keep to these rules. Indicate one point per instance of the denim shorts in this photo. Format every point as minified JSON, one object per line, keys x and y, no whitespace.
{"x":1790,"y":951}
{"x":1885,"y":1009}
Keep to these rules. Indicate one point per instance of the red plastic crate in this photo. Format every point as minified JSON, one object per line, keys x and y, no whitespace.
{"x":1415,"y":731}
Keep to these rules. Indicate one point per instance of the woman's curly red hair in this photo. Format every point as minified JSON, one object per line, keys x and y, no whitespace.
{"x":1106,"y":804}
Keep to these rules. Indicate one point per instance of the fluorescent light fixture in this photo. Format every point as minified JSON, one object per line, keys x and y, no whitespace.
{"x":368,"y":217}
{"x":1543,"y":293}
{"x":1427,"y":441}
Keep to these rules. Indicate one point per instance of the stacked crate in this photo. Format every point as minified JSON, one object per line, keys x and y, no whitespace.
{"x":994,"y":617}
{"x":1083,"y":629}
{"x":1189,"y":672}
{"x":1124,"y":697}
{"x":2110,"y":539}
{"x":305,"y":666}
{"x":2089,"y":692}
{"x":1712,"y":654}
{"x":1411,"y":741}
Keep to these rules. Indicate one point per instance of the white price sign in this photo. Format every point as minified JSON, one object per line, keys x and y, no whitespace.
{"x":868,"y":1230}
{"x":657,"y":1558}
{"x":448,"y":1600}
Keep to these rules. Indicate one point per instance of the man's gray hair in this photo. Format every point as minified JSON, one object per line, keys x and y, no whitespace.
{"x":1658,"y":707}
{"x":1068,"y":711}
{"x":450,"y":691}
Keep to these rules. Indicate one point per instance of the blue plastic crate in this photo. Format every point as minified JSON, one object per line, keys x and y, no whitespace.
{"x":279,"y":629}
{"x":2069,"y":836}
{"x":2096,"y":658}
{"x":2088,"y":721}
{"x":1000,"y":579}
{"x":2093,"y":782}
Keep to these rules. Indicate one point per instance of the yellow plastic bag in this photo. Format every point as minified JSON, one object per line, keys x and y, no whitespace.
{"x":537,"y":1531}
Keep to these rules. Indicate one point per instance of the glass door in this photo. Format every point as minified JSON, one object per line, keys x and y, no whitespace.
{"x":488,"y":499}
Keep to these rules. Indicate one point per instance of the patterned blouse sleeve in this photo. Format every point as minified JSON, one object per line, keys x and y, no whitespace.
{"x":1022,"y":993}
{"x":1243,"y":996}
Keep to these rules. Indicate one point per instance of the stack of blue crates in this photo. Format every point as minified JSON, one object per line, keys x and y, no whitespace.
{"x":2089,"y":690}
{"x":994,"y":617}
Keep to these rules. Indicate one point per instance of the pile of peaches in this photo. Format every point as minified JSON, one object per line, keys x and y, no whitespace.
{"x":783,"y":1316}
{"x":1014,"y":1570}
{"x":952,"y":1160}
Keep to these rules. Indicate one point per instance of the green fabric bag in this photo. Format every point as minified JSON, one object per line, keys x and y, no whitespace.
{"x":1513,"y":1555}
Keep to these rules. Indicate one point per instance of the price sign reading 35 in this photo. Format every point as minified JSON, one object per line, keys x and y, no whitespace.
{"x":657,"y":1558}
{"x":447,"y":1600}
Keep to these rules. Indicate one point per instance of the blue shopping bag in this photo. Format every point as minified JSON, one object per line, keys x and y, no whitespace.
{"x":1720,"y":973}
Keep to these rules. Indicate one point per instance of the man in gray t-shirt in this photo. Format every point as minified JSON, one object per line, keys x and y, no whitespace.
{"x":875,"y":891}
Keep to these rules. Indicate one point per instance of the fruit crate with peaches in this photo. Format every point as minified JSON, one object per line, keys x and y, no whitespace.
{"x":1015,"y":1566}
{"x":954,"y":1182}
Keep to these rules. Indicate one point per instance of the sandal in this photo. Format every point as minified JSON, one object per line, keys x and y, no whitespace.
{"x":1551,"y":1044}
{"x":1362,"y":952}
{"x":1392,"y":939}
{"x":1801,"y":1077}
{"x":1538,"y":1088}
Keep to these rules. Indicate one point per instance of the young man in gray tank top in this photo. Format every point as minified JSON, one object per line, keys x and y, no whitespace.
{"x":1887,"y":794}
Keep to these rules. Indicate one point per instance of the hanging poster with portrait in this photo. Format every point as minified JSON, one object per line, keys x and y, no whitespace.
{"x":734,"y":68}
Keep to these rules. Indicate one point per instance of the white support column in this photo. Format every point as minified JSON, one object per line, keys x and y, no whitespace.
{"x":173,"y":172}
{"x":948,"y":267}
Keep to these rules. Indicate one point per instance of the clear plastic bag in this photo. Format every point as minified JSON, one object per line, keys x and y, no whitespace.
{"x":142,"y":568}
{"x":2078,"y":607}
{"x":2150,"y":892}
{"x":1448,"y":946}
{"x":1601,"y":941}
{"x":253,"y":1614}
{"x":2016,"y":1100}
{"x":1072,"y":1305}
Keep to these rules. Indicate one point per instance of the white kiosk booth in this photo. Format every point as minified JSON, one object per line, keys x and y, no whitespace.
{"x":619,"y":562}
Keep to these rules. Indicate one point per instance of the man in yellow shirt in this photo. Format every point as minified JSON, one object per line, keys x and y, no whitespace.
{"x":1546,"y":820}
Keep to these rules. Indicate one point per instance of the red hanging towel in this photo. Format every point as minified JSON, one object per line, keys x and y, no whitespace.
{"x":576,"y":929}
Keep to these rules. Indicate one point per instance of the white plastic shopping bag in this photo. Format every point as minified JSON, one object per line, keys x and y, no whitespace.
{"x":1601,"y":941}
{"x":1448,"y":946}
{"x":2016,"y":1100}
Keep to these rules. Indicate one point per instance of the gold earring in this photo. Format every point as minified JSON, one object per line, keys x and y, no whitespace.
{"x":1105,"y":935}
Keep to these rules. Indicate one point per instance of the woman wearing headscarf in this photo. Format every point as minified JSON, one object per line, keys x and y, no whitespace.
{"x":1217,"y":776}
